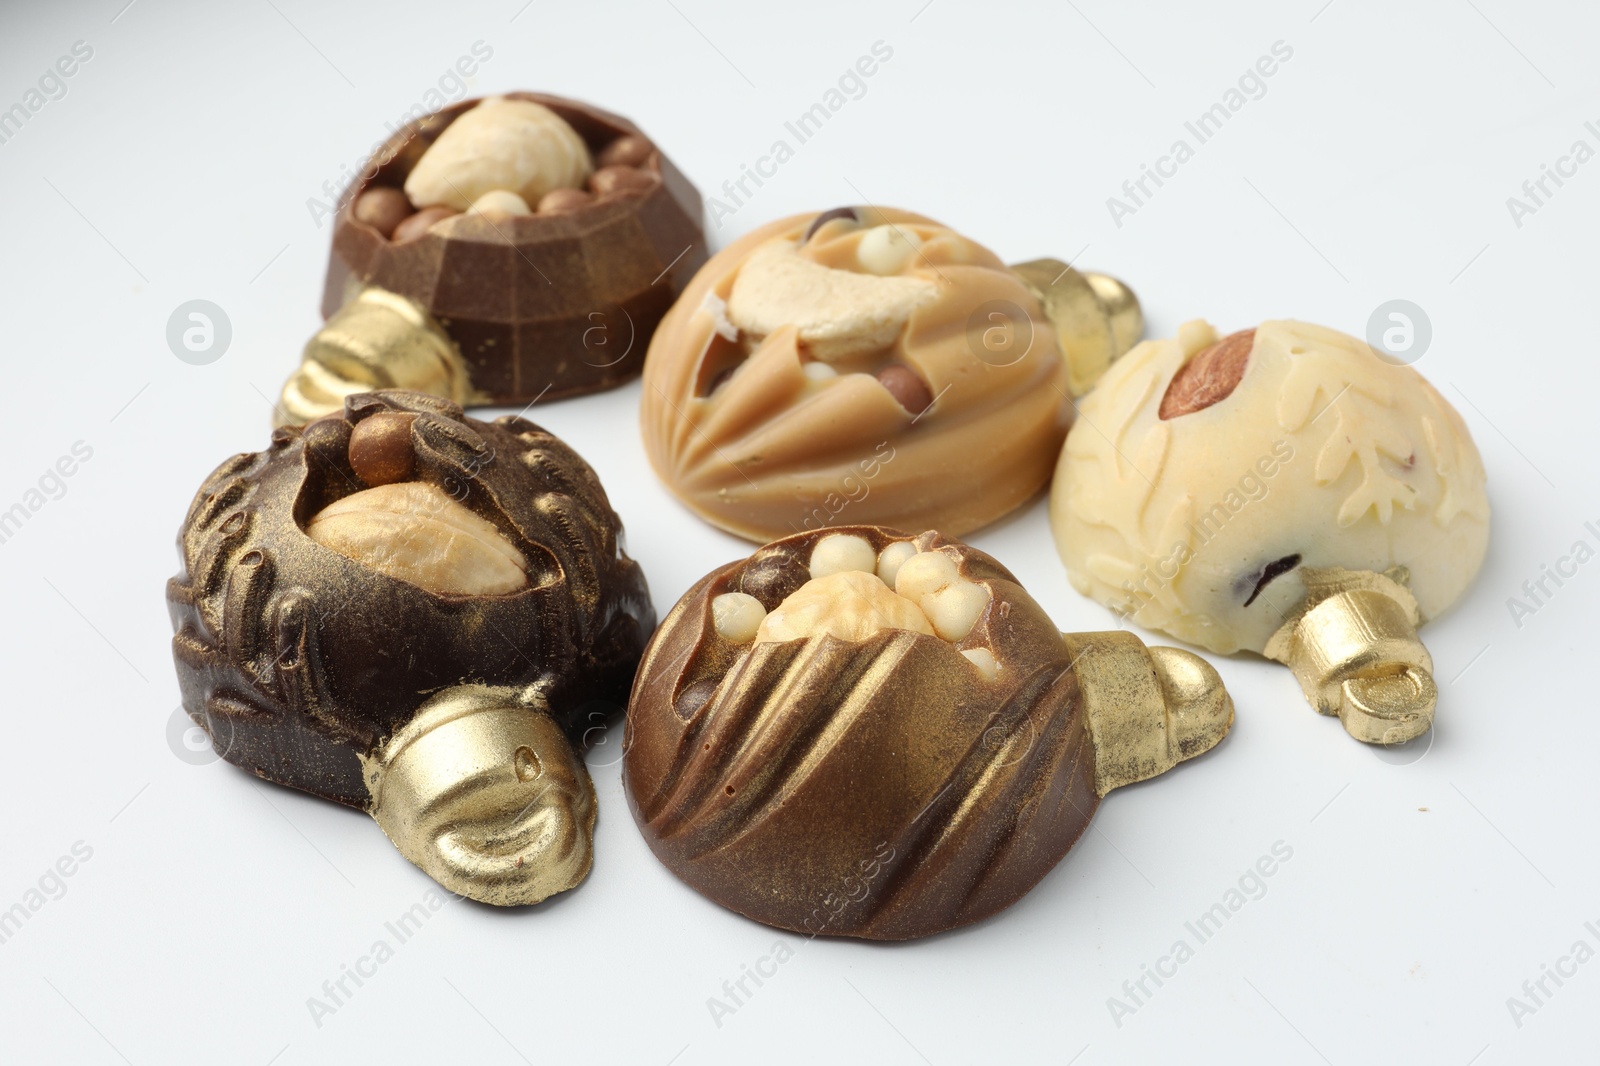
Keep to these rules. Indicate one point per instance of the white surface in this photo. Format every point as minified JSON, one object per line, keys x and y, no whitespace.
{"x":1422,"y":892}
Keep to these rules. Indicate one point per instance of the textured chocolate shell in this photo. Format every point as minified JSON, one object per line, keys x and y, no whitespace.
{"x":883,"y":788}
{"x":541,"y":306}
{"x":299,"y":661}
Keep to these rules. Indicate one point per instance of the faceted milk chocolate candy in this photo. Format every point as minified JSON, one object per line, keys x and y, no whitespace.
{"x":421,"y":615}
{"x":867,"y":365}
{"x":859,"y":732}
{"x":500,"y":251}
{"x":1283,"y":490}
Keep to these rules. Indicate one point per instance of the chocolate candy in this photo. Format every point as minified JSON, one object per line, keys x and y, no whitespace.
{"x":553,"y":302}
{"x":858,"y":732}
{"x":383,"y":209}
{"x":628,"y":151}
{"x":418,"y":614}
{"x":1222,"y":488}
{"x":869,"y":359}
{"x":417,"y":225}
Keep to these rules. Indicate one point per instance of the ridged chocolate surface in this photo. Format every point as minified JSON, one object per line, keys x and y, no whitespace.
{"x":880,"y":789}
{"x":541,"y":306}
{"x":296,"y":659}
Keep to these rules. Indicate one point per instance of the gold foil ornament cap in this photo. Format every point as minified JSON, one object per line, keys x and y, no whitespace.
{"x":1353,"y":647}
{"x":484,"y":792}
{"x":1097,"y":317}
{"x":377,"y":340}
{"x":1148,"y":708}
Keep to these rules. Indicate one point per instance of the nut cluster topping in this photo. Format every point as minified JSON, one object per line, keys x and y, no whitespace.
{"x":858,"y":365}
{"x":506,"y":158}
{"x":859,"y":694}
{"x":856,"y":592}
{"x":366,"y":561}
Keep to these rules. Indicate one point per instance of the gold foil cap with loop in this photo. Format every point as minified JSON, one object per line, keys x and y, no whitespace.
{"x":485,"y":793}
{"x":1097,"y":318}
{"x":1148,"y":708}
{"x":1353,"y":646}
{"x":377,"y":340}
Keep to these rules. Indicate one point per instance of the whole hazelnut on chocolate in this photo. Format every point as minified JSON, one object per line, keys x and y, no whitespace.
{"x":383,"y":209}
{"x":627,"y":151}
{"x":859,"y":732}
{"x":413,"y":226}
{"x":612,"y":180}
{"x":1283,"y":490}
{"x":420,"y":615}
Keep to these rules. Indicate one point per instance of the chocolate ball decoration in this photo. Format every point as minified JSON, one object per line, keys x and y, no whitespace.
{"x":859,"y":732}
{"x":421,"y":615}
{"x":1283,"y":490}
{"x":558,"y":301}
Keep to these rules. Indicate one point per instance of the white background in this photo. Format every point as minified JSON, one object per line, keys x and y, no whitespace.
{"x":1425,"y":886}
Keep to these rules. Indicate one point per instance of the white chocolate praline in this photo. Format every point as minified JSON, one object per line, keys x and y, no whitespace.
{"x":499,"y":202}
{"x":952,"y":603}
{"x":835,"y":313}
{"x":850,"y":605}
{"x":516,"y":145}
{"x":892,"y":558}
{"x":839,"y":552}
{"x":886,"y":249}
{"x":1323,"y":451}
{"x":737,"y":616}
{"x":412,"y":531}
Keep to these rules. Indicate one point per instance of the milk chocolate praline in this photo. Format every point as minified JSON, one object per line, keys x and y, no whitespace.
{"x":541,"y":306}
{"x":884,"y":783}
{"x":300,"y":661}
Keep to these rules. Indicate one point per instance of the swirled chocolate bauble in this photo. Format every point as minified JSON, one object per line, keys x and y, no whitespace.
{"x":1284,"y":490}
{"x":418,"y":614}
{"x":870,"y":365}
{"x":859,"y":732}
